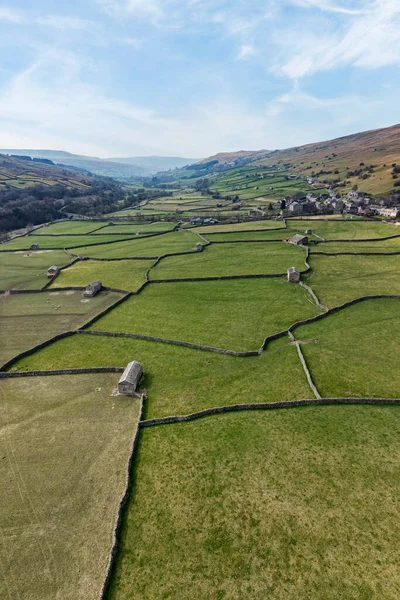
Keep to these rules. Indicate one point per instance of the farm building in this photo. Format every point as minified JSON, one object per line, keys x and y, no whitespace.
{"x":308,"y":231}
{"x":34,"y":247}
{"x":52,"y":271}
{"x":293,"y":275}
{"x":298,"y":240}
{"x":199,"y":247}
{"x":130,"y":378}
{"x":92,"y":288}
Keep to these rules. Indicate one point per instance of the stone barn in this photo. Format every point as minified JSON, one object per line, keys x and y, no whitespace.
{"x":130,"y":378}
{"x":308,"y":231}
{"x":298,"y":240}
{"x":34,"y":247}
{"x":293,"y":275}
{"x":92,"y":289}
{"x":199,"y":247}
{"x":52,"y":271}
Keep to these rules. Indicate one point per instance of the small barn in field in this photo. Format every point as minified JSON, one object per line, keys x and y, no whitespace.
{"x":293,"y":275}
{"x":199,"y":247}
{"x":34,"y":247}
{"x":298,"y":240}
{"x":52,"y":271}
{"x":130,"y":378}
{"x":92,"y":289}
{"x":308,"y":232}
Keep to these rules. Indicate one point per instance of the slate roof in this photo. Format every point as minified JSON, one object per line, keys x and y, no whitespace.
{"x":132,"y":373}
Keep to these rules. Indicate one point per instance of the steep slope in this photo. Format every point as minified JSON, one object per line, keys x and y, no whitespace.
{"x":365,"y":159}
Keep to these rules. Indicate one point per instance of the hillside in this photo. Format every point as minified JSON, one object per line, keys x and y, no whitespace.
{"x":154,"y":164}
{"x":227,"y":158}
{"x":365,"y":159}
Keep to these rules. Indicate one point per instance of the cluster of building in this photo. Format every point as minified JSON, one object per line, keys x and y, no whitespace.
{"x":330,"y":202}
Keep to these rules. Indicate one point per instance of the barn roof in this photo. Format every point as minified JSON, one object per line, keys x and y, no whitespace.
{"x":297,"y":238}
{"x":94,"y":284}
{"x":293,"y":270}
{"x":52,"y":268}
{"x":132,"y":373}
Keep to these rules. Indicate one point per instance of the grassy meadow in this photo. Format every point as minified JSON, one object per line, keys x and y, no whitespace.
{"x":232,"y":259}
{"x":338,"y":279}
{"x":354,"y":353}
{"x":281,"y":505}
{"x":138,"y":228}
{"x":265,"y":235}
{"x":182,"y":380}
{"x":60,"y":241}
{"x":69,"y":227}
{"x":344,"y":229}
{"x":28,"y":270}
{"x":235,"y":315}
{"x":29,"y":319}
{"x":123,"y":274}
{"x":65,"y":442}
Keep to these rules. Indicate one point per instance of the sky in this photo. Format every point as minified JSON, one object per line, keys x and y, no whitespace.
{"x":190,"y":78}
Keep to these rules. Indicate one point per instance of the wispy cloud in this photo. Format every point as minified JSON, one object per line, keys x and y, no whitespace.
{"x":326,"y":5}
{"x":246,"y":51}
{"x":371,"y":40}
{"x":62,"y":22}
{"x":133,"y":42}
{"x":11,"y":15}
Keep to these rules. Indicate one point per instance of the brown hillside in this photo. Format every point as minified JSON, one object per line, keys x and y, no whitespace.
{"x":230,"y":157}
{"x":379,"y":147}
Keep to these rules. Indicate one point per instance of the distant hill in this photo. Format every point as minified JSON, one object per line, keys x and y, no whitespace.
{"x":154,"y":164}
{"x":226,"y":158}
{"x":365,"y":159}
{"x":92,"y":164}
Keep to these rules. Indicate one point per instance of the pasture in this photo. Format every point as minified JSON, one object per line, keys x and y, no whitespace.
{"x":235,"y":315}
{"x":28,"y":270}
{"x":246,"y":226}
{"x":232,"y":259}
{"x":344,"y":229}
{"x":65,"y":442}
{"x":122,"y":274}
{"x":182,"y":380}
{"x":29,"y":319}
{"x":354,"y":353}
{"x":265,"y":235}
{"x":154,"y":246}
{"x":138,"y":228}
{"x":69,"y":227}
{"x":281,"y":505}
{"x":338,"y":279}
{"x":61,"y":241}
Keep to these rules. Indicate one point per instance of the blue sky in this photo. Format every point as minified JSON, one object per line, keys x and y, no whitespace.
{"x":194,"y":77}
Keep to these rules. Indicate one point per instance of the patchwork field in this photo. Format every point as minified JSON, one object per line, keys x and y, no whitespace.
{"x":60,"y":241}
{"x":65,"y":442}
{"x":207,"y":312}
{"x":123,"y":274}
{"x":29,"y":319}
{"x":28,"y":270}
{"x":232,"y":259}
{"x":280,"y":505}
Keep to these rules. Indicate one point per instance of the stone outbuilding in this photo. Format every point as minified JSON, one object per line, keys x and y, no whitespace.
{"x":293,"y":275}
{"x":130,"y":378}
{"x":52,"y":271}
{"x":199,"y":247}
{"x":92,"y":289}
{"x":34,"y":247}
{"x":298,"y":240}
{"x":308,"y":231}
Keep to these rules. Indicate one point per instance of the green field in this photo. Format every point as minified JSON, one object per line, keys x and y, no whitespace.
{"x":248,"y":236}
{"x":247,"y":226}
{"x":65,"y":443}
{"x":122,"y":274}
{"x":338,"y":279}
{"x":28,"y":270}
{"x":68,"y":227}
{"x":138,"y":228}
{"x":232,"y":259}
{"x":29,"y":319}
{"x":181,"y":380}
{"x":354,"y":352}
{"x":381,"y":246}
{"x":235,"y":315}
{"x":170,"y":243}
{"x":344,"y":230}
{"x":283,"y":505}
{"x":61,"y":241}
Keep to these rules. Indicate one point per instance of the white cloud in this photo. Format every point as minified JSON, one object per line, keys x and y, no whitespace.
{"x":326,"y":5}
{"x":371,"y":40}
{"x":11,"y":15}
{"x":246,"y":51}
{"x":133,"y":42}
{"x":62,"y":22}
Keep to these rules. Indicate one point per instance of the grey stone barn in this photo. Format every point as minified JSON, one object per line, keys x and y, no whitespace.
{"x":199,"y":247}
{"x":130,"y":378}
{"x":293,"y":275}
{"x":308,"y":231}
{"x":92,"y":289}
{"x":298,"y":240}
{"x":34,"y":247}
{"x":52,"y":271}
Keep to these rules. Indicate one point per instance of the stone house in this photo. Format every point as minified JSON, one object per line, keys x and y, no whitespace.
{"x":298,"y":240}
{"x":92,"y":289}
{"x":52,"y":271}
{"x":293,"y":275}
{"x":130,"y":378}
